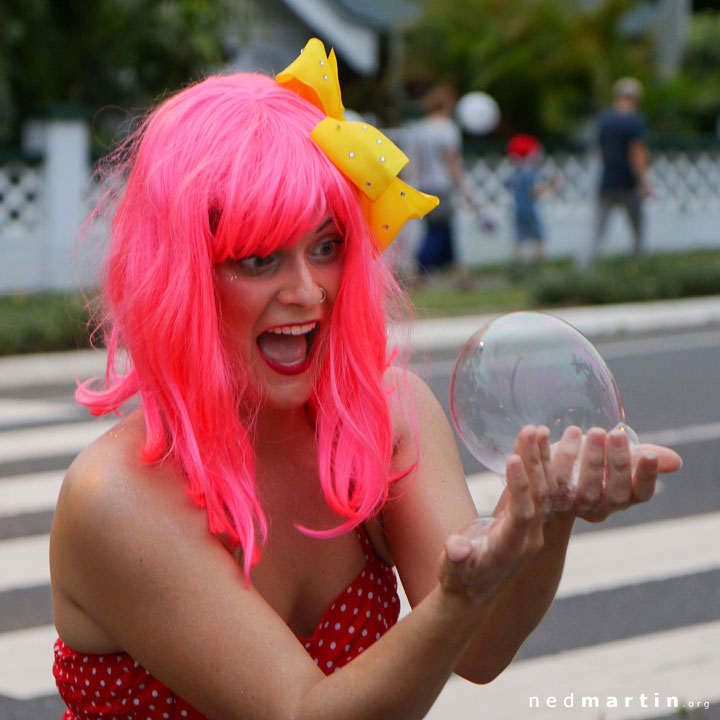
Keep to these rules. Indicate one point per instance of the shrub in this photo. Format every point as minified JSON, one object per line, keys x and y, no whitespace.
{"x":656,"y":277}
{"x":41,"y":322}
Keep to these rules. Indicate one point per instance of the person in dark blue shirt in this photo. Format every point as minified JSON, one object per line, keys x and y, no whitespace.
{"x":621,"y":137}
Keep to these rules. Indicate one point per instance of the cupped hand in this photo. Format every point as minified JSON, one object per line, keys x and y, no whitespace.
{"x":610,"y":478}
{"x":480,"y":560}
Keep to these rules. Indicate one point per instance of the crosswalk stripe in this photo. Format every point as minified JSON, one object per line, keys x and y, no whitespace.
{"x":24,"y":562}
{"x":51,"y":439}
{"x":26,"y":659}
{"x":677,"y":663}
{"x":641,"y":553}
{"x":683,"y":436}
{"x":29,"y":493}
{"x":36,"y":370}
{"x":485,"y":489}
{"x":25,"y":411}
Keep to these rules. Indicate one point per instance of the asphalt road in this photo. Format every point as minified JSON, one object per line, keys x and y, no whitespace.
{"x":644,"y":595}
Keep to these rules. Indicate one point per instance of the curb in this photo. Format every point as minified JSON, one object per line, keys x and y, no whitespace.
{"x":597,"y":322}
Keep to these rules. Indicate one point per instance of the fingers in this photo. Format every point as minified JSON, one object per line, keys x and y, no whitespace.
{"x":565,"y":454}
{"x":645,"y":477}
{"x":608,"y":482}
{"x":522,"y":507}
{"x":619,"y":489}
{"x":668,"y":460}
{"x":533,"y":448}
{"x":590,"y":489}
{"x":457,"y":548}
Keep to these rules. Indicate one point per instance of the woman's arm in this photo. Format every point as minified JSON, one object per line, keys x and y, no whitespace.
{"x":436,"y":504}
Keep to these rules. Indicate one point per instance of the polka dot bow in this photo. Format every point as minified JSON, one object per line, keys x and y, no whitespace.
{"x":361,"y":152}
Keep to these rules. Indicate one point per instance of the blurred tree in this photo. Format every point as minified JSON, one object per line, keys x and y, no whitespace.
{"x":689,"y":104}
{"x":118,"y":54}
{"x":549,"y":63}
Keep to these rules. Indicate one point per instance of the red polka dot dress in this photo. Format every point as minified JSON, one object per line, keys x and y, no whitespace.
{"x":115,"y":687}
{"x":359,"y":616}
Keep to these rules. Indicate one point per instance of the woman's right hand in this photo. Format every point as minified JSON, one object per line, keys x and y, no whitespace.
{"x":480,"y":560}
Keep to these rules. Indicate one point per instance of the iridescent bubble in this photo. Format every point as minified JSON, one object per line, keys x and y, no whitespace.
{"x":529,"y":368}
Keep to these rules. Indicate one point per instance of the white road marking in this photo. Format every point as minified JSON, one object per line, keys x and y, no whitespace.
{"x":682,"y":664}
{"x":684,"y":435}
{"x":25,"y":411}
{"x":24,"y":562}
{"x":641,"y":553}
{"x":26,"y":658}
{"x":51,"y":440}
{"x":29,"y":493}
{"x":49,"y":368}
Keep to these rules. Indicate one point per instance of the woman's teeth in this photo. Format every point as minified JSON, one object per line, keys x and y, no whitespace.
{"x":293,"y":329}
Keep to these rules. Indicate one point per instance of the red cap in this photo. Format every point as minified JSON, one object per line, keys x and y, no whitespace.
{"x":523,"y":145}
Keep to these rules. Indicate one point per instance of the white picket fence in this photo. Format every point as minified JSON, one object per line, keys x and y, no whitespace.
{"x":43,"y":203}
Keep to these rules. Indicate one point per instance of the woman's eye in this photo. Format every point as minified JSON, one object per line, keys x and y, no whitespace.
{"x":256,"y":264}
{"x":328,"y":247}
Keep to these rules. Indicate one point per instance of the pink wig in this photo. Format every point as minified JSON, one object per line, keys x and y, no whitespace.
{"x":226,"y":168}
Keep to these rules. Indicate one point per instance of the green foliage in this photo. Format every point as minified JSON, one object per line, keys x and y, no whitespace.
{"x":690,"y":102}
{"x":551,"y":64}
{"x":492,"y":297}
{"x":42,"y":322}
{"x":548,"y":63}
{"x":615,"y":280}
{"x":114,"y":53}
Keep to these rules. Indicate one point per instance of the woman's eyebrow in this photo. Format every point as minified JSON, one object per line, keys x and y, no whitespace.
{"x":320,"y":228}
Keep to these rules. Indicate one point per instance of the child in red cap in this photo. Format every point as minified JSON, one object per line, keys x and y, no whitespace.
{"x":526,"y":185}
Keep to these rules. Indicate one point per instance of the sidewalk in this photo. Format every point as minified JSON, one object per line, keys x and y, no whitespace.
{"x":447,"y":335}
{"x":597,"y":322}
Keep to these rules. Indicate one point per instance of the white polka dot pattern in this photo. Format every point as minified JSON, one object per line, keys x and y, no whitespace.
{"x":114,"y":687}
{"x":359,"y":616}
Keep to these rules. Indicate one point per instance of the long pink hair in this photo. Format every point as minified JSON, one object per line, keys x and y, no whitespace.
{"x":225,"y":169}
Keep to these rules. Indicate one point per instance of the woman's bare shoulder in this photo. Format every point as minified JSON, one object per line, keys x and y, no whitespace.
{"x":411,"y":401}
{"x":110,"y":495}
{"x":110,"y":471}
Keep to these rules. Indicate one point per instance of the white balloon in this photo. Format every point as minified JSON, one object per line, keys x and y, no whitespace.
{"x":478,"y":113}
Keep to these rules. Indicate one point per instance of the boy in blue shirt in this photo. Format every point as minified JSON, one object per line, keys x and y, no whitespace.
{"x":526,"y":185}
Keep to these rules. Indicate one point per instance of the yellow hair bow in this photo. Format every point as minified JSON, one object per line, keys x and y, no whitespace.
{"x":369,"y":159}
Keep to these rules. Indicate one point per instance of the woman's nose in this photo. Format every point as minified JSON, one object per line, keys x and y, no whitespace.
{"x":300,"y":287}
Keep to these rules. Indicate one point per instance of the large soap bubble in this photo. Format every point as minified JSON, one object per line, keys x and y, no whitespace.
{"x":529,"y":368}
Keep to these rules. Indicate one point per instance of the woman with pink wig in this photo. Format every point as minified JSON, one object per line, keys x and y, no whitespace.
{"x":226,"y":550}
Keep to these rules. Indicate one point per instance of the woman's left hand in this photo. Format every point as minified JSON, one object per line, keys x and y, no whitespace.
{"x":608,"y":480}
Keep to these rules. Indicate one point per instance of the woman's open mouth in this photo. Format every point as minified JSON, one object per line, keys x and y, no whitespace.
{"x":287,"y":349}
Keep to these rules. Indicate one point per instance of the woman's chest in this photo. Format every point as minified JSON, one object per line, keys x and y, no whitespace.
{"x":300,"y":576}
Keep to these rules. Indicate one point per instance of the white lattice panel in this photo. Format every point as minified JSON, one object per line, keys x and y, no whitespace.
{"x":21,"y":197}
